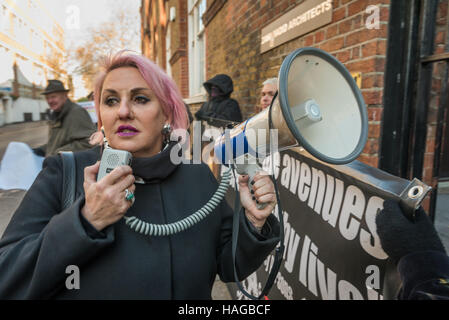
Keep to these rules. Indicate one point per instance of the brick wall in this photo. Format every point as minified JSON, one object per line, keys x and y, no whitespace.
{"x":155,"y":17}
{"x":179,"y":58}
{"x":233,"y":47}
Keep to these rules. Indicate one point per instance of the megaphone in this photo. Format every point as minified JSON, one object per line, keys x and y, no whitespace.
{"x":318,"y":107}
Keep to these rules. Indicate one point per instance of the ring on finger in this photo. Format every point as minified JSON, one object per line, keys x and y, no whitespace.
{"x":129,"y":196}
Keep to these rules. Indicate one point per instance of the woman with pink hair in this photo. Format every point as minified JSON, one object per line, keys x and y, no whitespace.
{"x":44,"y":245}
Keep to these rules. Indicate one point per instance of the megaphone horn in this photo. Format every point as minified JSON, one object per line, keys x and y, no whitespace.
{"x":318,"y":107}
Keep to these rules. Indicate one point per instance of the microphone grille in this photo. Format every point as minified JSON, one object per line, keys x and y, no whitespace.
{"x":113,"y":159}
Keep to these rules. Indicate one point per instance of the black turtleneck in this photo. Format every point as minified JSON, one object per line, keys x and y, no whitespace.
{"x":160,"y":164}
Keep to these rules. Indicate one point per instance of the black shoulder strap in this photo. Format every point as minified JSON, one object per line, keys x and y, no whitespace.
{"x":68,"y":179}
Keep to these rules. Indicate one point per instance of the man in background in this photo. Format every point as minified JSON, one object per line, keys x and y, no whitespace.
{"x":70,"y":126}
{"x":270,"y":87}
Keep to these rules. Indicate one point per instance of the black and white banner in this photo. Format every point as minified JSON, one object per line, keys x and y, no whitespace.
{"x":332,"y":250}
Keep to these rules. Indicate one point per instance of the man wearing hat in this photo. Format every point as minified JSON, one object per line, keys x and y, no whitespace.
{"x":70,"y":126}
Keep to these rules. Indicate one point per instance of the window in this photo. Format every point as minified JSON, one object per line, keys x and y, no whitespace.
{"x":196,"y":46}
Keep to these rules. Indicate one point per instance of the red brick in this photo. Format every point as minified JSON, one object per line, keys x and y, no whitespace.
{"x":430,"y":146}
{"x":343,"y":56}
{"x":384,"y":14}
{"x":442,"y":10}
{"x":374,"y":114}
{"x":436,"y":85}
{"x":333,"y":44}
{"x":345,"y":26}
{"x":336,"y":4}
{"x":338,"y":14}
{"x":374,"y":48}
{"x":439,"y":39}
{"x":369,"y":160}
{"x":429,"y":158}
{"x":427,"y":175}
{"x":426,"y":202}
{"x":373,"y":97}
{"x":374,"y":64}
{"x":331,"y":31}
{"x":319,"y":36}
{"x":357,"y":7}
{"x":374,"y":130}
{"x":366,"y":34}
{"x":371,"y":146}
{"x":355,"y":54}
{"x":308,"y":40}
{"x":361,"y":5}
{"x":372,"y":81}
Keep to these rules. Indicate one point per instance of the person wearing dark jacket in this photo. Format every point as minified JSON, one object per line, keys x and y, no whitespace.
{"x":417,"y":250}
{"x":70,"y":126}
{"x":137,"y":104}
{"x":220,"y":110}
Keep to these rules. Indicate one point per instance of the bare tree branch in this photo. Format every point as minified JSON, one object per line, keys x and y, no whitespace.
{"x":120,"y":33}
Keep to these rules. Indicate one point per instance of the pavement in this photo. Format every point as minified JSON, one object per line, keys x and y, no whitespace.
{"x":33,"y":133}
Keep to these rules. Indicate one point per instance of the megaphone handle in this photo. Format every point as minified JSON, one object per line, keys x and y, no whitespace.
{"x":250,"y":170}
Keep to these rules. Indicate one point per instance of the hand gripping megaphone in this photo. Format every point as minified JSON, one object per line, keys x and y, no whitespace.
{"x":318,"y":107}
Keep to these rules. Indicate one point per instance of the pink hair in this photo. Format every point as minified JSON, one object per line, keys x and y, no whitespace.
{"x":160,"y":83}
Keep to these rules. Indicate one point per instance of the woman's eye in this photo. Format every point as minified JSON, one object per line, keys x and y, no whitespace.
{"x":110,"y":101}
{"x":141,"y":99}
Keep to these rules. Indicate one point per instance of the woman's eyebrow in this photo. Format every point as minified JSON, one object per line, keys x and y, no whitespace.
{"x":110,"y":91}
{"x":136,"y":90}
{"x":133,"y":91}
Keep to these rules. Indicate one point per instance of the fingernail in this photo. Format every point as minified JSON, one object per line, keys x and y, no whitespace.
{"x":252,"y":182}
{"x":254,"y":198}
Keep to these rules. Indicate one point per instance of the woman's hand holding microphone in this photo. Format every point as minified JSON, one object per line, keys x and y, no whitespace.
{"x":106,"y":201}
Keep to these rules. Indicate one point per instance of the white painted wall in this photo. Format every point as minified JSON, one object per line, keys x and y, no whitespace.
{"x":15,"y":110}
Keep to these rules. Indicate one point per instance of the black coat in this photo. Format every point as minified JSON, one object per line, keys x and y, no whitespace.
{"x":222,"y":107}
{"x":41,"y":241}
{"x":69,"y":130}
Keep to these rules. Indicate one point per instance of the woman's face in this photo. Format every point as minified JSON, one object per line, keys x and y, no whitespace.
{"x":131,"y":114}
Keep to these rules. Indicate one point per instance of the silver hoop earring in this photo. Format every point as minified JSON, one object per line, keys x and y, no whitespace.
{"x":166,"y":131}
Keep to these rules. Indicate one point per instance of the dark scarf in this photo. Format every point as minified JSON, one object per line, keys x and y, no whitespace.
{"x":155,"y":168}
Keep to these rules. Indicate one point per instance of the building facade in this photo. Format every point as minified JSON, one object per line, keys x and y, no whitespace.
{"x":31,"y":52}
{"x":196,"y":39}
